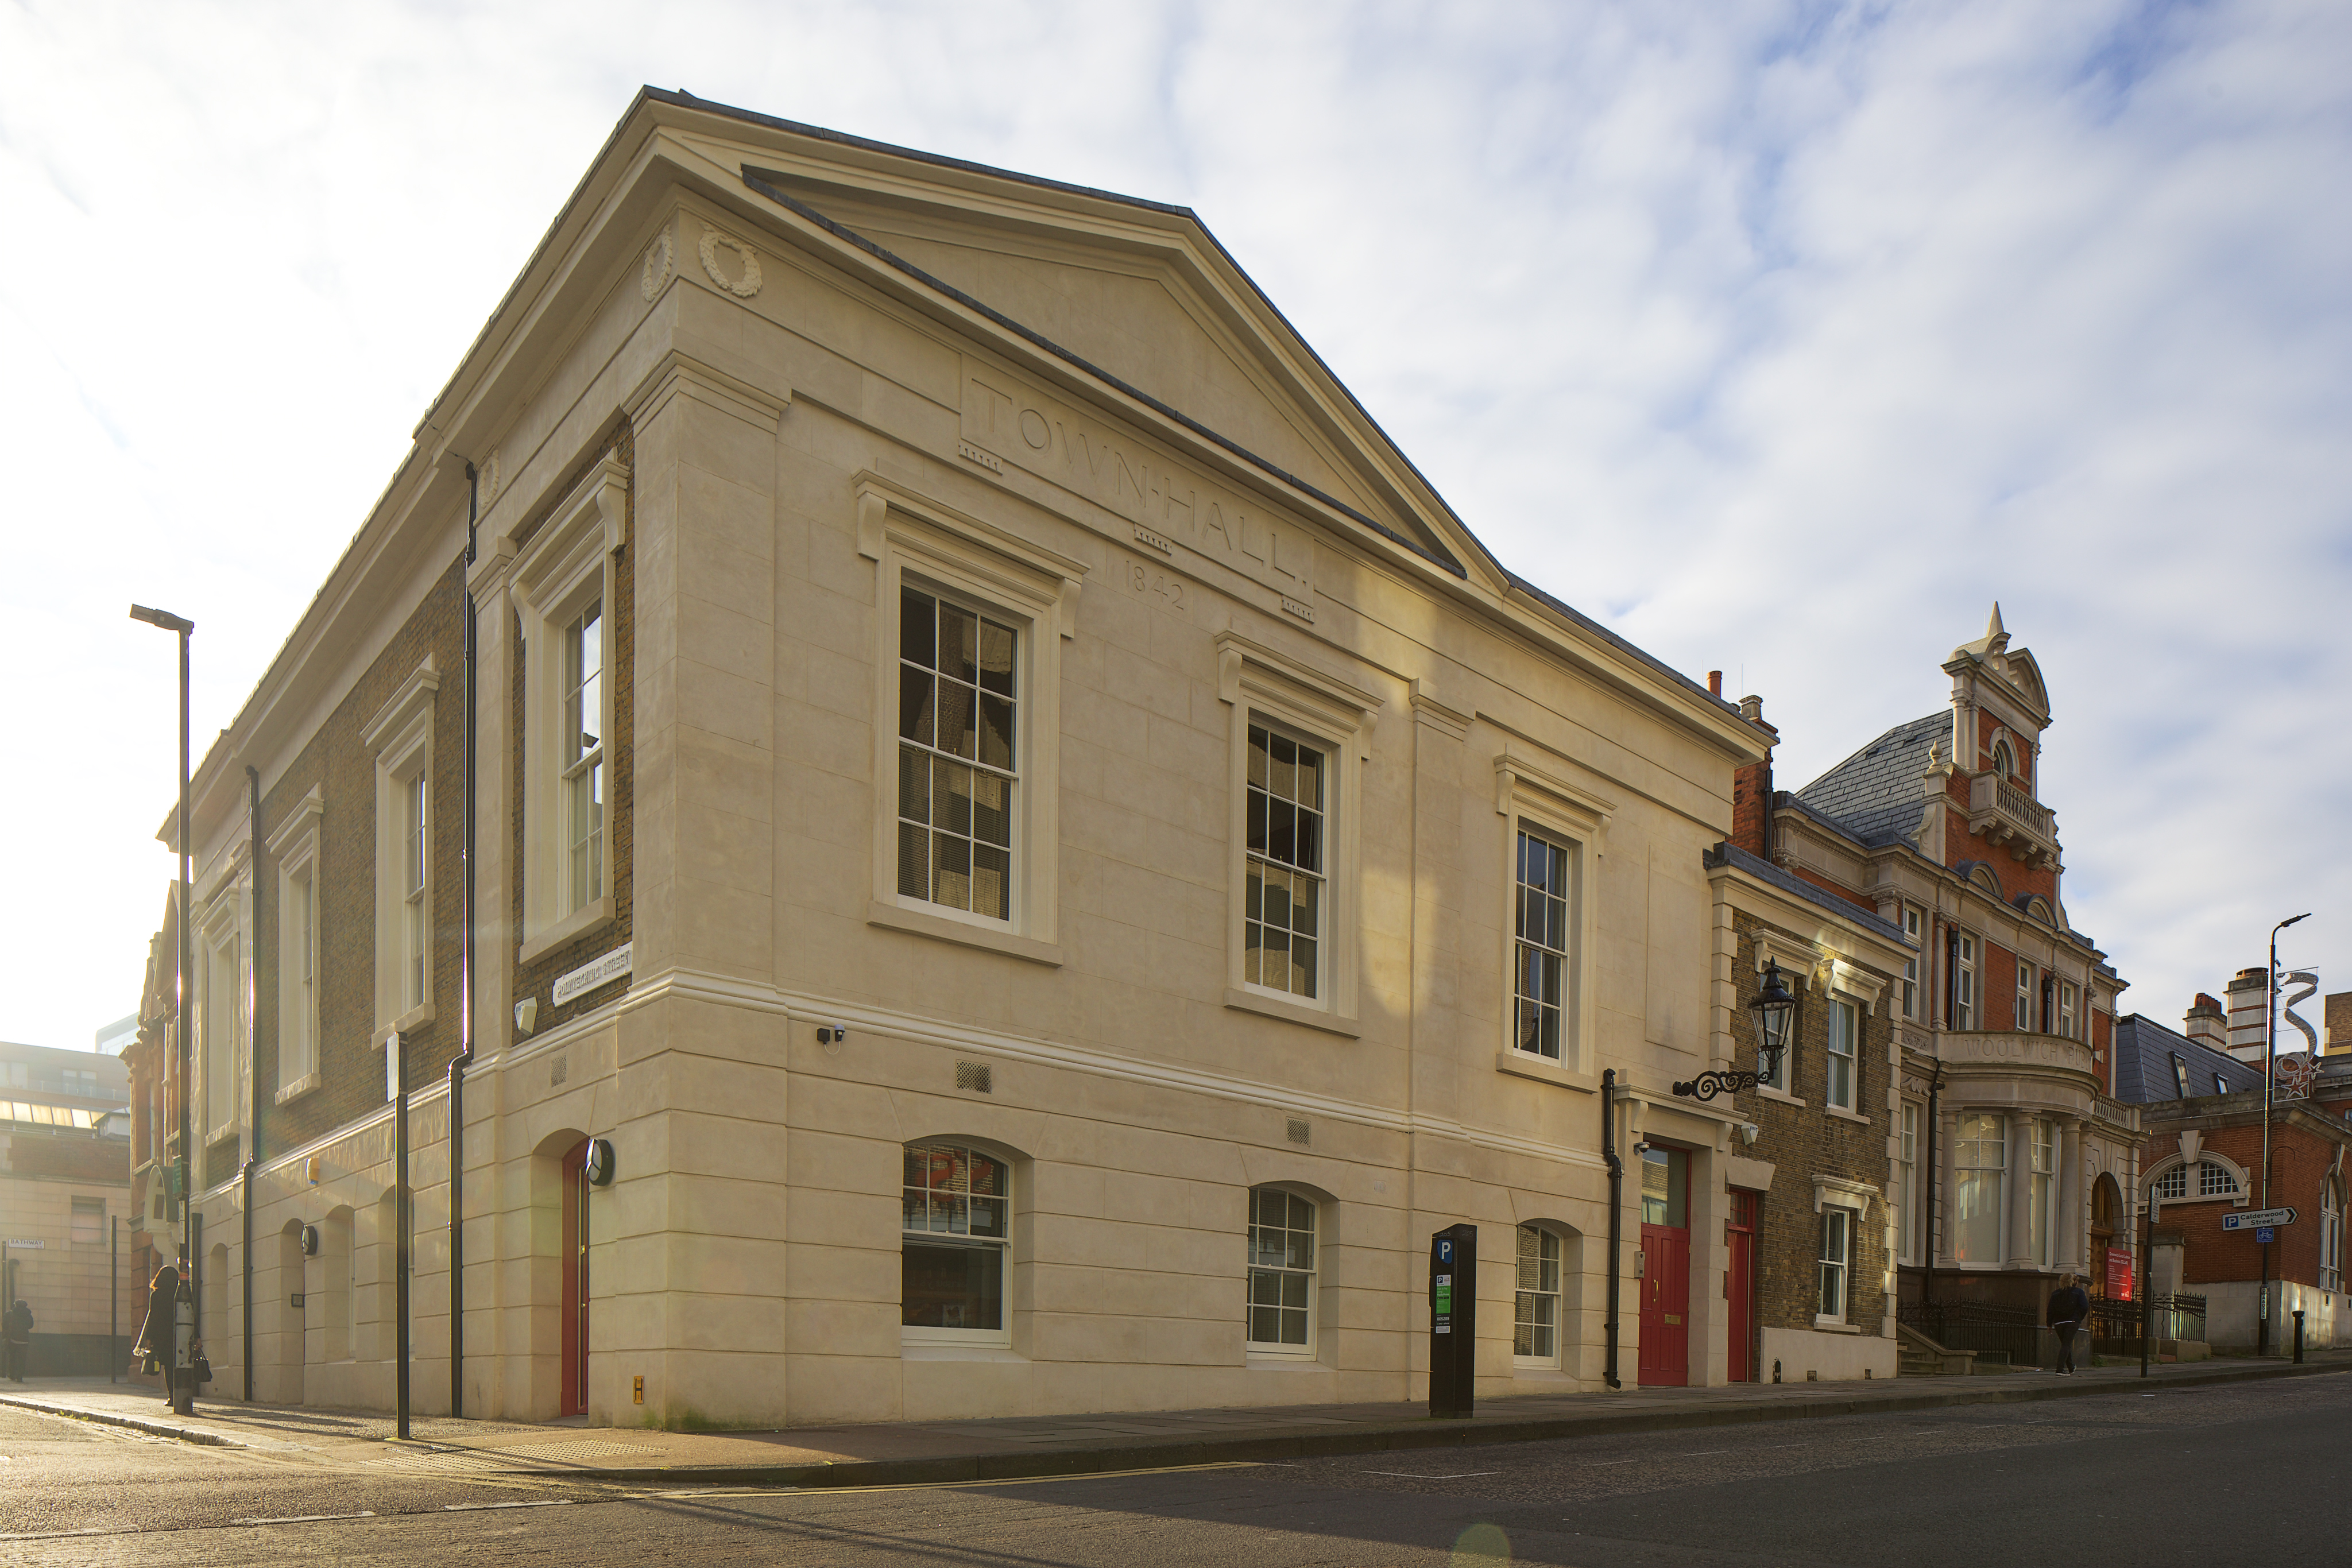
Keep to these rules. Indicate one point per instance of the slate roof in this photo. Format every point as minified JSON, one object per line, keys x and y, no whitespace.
{"x":1874,"y":794}
{"x":2144,"y":1054}
{"x":1762,"y":870}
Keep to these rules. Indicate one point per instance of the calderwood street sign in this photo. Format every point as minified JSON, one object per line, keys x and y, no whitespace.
{"x":2256,"y":1219}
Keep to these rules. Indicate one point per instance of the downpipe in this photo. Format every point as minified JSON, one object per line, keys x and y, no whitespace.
{"x":458,"y":1063}
{"x":1616,"y":1214}
{"x":253,"y":1136}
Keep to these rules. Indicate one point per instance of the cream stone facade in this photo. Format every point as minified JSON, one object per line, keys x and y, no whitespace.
{"x":1182,"y":980}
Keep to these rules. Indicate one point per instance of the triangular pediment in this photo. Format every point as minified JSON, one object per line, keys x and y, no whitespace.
{"x":1136,"y":293}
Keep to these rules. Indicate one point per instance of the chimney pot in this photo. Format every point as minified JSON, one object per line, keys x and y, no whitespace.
{"x":1751,"y":708}
{"x":1715,"y":682}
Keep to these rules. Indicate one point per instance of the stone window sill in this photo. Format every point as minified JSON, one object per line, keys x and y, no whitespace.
{"x":1844,"y":1115}
{"x":1251,"y":1001}
{"x":414,"y":1018}
{"x":1543,"y":1070}
{"x":299,"y":1087}
{"x":1766,"y":1092}
{"x":992,"y":939}
{"x":594,"y":915}
{"x":1832,"y":1326}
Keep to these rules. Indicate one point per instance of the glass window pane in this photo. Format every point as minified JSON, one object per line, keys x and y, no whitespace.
{"x":996,"y":644}
{"x":957,"y":719}
{"x":996,"y":731}
{"x":960,"y":644}
{"x":918,"y":628}
{"x":916,"y":710}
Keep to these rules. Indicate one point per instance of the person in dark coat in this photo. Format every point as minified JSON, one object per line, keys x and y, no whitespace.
{"x":153,"y":1350}
{"x":17,"y":1329}
{"x":2070,"y":1308}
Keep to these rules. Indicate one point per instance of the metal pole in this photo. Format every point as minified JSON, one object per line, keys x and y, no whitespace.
{"x":182,"y":1392}
{"x":113,"y":1297}
{"x":183,"y":1388}
{"x":2147,"y":1279}
{"x":2270,"y":1072}
{"x":397,"y":1047}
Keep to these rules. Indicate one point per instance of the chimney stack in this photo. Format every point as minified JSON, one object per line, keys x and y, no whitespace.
{"x":1715,"y":682}
{"x":2205,"y":1025}
{"x":2250,"y":997}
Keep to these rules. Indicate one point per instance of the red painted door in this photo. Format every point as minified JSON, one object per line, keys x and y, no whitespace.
{"x":1740,"y":1290}
{"x":1665,"y":1306}
{"x":575,"y":1280}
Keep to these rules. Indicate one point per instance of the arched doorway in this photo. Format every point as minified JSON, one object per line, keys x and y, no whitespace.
{"x":573,"y":1399}
{"x":2106,"y":1217}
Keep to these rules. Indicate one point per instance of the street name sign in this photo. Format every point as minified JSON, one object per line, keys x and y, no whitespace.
{"x":2257,"y":1218}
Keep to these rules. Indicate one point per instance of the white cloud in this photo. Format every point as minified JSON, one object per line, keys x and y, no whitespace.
{"x":1782,"y":336}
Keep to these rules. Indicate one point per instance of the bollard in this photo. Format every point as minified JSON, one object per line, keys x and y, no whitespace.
{"x":2298,"y":1337}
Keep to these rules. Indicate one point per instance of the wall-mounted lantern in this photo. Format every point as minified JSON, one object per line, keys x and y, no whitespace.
{"x":599,"y":1163}
{"x":1774,"y":1008}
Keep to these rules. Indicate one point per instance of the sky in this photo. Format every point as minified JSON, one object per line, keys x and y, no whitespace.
{"x":1781,"y":338}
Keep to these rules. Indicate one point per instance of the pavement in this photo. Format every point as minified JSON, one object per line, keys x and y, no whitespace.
{"x":1012,"y":1448}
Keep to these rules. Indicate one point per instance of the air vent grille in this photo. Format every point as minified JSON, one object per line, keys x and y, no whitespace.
{"x":977,"y":1076}
{"x":1299,"y":1132}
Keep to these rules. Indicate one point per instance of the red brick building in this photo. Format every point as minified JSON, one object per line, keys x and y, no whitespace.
{"x":2012,"y":1156}
{"x":2202,"y":1107}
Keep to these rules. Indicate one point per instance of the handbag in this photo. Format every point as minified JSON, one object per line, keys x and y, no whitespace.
{"x":203,"y":1370}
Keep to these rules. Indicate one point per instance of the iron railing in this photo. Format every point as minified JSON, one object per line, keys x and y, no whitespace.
{"x":2171,"y":1317}
{"x":1995,"y":1334}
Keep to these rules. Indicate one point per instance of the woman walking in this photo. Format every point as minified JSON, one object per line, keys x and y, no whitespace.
{"x":2068,"y":1309}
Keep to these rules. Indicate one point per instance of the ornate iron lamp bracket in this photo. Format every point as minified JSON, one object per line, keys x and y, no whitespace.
{"x":1716,"y":1081}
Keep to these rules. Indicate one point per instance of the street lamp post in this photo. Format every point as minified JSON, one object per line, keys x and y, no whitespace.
{"x":183,"y":1390}
{"x":2270,"y":1073}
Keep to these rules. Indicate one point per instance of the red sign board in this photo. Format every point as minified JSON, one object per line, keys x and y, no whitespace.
{"x":2119,"y":1274}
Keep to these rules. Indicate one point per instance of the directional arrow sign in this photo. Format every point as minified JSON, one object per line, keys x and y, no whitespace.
{"x":2255,"y":1218}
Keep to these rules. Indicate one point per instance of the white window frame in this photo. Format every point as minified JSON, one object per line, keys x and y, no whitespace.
{"x":2181,"y":1074}
{"x":1911,"y":964}
{"x":1000,"y":1337}
{"x":1908,"y":1227}
{"x":1313,"y":1273}
{"x":1522,"y":1295}
{"x":1970,"y":1180}
{"x":1263,"y":687}
{"x":2067,"y":1011}
{"x":1964,"y":984}
{"x":567,"y":565}
{"x":295,"y":848}
{"x":2042,"y":1146}
{"x":222,"y":926}
{"x":1535,"y":795}
{"x":1850,"y":1012}
{"x":1838,"y":1230}
{"x":400,"y":738}
{"x":2191,"y":1178}
{"x":917,"y":542}
{"x":2331,"y":1234}
{"x":2023,"y":1014}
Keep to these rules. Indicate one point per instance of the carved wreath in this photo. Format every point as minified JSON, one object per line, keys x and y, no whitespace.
{"x":743,"y":287}
{"x":658,"y":262}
